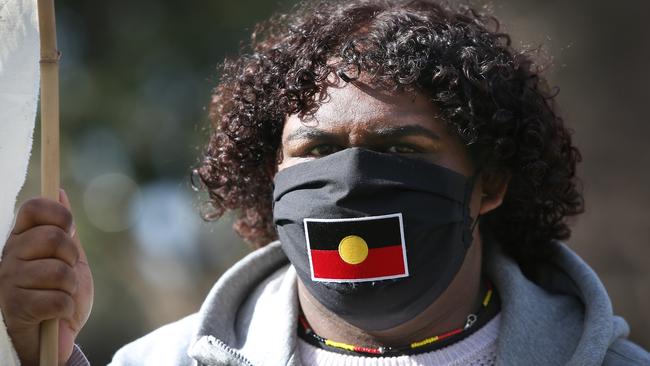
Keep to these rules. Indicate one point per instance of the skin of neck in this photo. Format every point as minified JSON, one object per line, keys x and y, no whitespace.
{"x":448,"y":312}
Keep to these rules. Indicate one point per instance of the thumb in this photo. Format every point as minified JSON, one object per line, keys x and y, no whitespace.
{"x":65,"y":201}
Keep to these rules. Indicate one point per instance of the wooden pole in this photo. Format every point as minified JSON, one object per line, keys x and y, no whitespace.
{"x":49,"y":337}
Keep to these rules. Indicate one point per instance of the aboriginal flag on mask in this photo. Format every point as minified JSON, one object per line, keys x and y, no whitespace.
{"x":357,"y":249}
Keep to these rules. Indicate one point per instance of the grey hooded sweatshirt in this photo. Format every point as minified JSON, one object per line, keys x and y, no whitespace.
{"x":249,"y":318}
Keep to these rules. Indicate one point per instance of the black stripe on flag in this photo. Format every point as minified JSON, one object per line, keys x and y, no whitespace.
{"x":377,"y":232}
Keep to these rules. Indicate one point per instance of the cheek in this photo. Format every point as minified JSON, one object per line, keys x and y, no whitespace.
{"x":456,"y":159}
{"x":287,"y":162}
{"x":455,"y":155}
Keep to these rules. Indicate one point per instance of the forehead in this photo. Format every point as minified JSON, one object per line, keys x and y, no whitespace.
{"x":355,"y":114}
{"x":361,"y":105}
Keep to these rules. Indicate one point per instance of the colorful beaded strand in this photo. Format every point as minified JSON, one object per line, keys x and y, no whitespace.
{"x":383,"y":350}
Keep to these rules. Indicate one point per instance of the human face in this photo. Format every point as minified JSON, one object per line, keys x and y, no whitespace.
{"x":357,"y":115}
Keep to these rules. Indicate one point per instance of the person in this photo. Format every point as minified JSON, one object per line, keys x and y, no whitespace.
{"x":406,"y":180}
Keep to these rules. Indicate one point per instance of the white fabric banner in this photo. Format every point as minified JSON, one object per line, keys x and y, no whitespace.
{"x":19,"y":83}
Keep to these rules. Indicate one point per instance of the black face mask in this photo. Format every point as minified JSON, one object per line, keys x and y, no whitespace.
{"x":374,"y":237}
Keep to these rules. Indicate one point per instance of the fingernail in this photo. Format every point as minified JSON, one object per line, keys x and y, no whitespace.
{"x":63,"y":197}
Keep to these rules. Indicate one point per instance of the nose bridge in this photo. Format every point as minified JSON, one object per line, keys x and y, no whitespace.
{"x":356,"y":138}
{"x":360,"y":131}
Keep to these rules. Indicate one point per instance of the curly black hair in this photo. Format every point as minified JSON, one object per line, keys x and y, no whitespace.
{"x":493,"y":96}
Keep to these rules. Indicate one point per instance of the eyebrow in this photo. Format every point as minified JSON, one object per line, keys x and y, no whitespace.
{"x":392,"y":132}
{"x":310,"y":133}
{"x":386,"y":132}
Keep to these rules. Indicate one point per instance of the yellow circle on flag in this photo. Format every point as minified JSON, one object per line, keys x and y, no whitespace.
{"x":353,"y":249}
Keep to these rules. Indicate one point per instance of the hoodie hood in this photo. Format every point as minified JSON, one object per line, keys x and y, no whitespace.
{"x":250,"y":315}
{"x":563,"y":317}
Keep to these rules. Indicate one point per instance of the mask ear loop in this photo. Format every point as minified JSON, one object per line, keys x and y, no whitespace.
{"x":476,"y":177}
{"x":478,"y":217}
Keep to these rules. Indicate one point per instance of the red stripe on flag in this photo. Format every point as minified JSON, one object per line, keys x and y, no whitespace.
{"x":381,"y":262}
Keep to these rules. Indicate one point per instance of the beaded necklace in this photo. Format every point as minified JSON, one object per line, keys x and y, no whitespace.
{"x":487,"y":308}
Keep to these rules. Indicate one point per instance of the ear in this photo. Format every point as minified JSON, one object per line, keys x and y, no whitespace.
{"x":494,"y":186}
{"x":271,"y":166}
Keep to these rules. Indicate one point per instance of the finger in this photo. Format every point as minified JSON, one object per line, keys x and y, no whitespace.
{"x":48,"y":274}
{"x":65,"y":201}
{"x":34,"y":306}
{"x":42,"y":211}
{"x":67,"y":335}
{"x":44,"y":241}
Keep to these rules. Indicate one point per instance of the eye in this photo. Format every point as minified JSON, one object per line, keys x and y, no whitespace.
{"x":323,"y":150}
{"x":401,"y":149}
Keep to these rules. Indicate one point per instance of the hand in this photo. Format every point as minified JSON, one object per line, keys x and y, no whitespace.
{"x":44,"y":274}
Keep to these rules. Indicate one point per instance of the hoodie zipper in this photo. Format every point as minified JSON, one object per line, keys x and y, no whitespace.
{"x":219,"y":343}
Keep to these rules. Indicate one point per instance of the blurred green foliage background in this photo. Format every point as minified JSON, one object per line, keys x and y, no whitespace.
{"x":136,"y":77}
